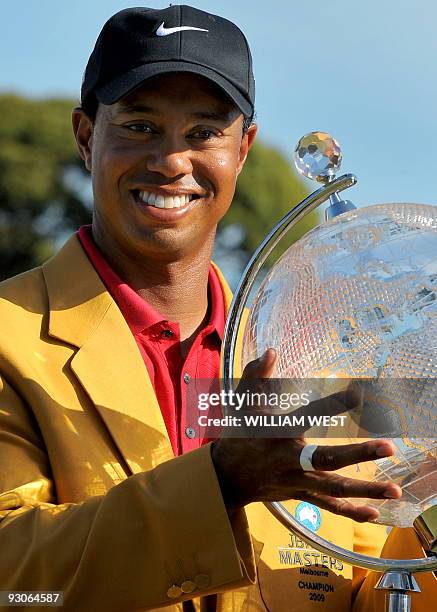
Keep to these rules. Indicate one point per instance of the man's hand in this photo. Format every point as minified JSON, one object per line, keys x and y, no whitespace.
{"x":269,"y":469}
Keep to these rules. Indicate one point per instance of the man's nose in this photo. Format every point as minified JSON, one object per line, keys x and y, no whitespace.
{"x":170,"y":160}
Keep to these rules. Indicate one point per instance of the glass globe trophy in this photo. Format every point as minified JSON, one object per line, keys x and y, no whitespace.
{"x":356,"y":298}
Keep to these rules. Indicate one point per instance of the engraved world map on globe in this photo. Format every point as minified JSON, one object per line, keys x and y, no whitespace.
{"x":356,"y":297}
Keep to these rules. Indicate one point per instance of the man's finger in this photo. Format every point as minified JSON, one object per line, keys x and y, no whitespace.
{"x":261,"y":367}
{"x":329,"y":458}
{"x":344,"y":507}
{"x":335,"y":485}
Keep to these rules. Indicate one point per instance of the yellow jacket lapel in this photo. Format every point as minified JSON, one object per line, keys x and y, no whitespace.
{"x":108,"y":363}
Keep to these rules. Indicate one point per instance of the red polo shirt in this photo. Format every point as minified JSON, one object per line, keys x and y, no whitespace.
{"x":159,"y":343}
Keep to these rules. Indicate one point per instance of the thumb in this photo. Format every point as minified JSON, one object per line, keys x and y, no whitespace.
{"x":262,"y":367}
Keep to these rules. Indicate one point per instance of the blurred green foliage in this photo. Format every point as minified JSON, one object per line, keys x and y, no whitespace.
{"x":36,"y":203}
{"x":267,"y":188}
{"x":40,"y":204}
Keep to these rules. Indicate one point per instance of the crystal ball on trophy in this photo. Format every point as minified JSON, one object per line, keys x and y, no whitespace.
{"x":355,"y":298}
{"x":318,"y":156}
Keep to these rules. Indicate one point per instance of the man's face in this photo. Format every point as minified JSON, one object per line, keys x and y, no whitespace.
{"x":175,"y":142}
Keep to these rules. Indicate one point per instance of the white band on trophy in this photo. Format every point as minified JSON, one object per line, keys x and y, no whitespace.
{"x":306,"y":457}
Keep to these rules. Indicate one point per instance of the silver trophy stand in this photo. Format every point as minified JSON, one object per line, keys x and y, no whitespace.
{"x":320,"y":163}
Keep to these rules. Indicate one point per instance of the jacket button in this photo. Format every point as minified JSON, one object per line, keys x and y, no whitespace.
{"x":202,"y":581}
{"x":190,"y":432}
{"x":174,"y":591}
{"x":188,"y":586}
{"x":187,"y":378}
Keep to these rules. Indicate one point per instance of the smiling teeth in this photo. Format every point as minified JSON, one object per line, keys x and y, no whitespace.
{"x":160,"y":201}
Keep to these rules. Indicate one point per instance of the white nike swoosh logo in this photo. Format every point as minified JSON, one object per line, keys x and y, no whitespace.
{"x":163,"y":31}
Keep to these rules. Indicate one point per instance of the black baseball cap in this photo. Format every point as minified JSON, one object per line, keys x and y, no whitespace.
{"x":138,"y":43}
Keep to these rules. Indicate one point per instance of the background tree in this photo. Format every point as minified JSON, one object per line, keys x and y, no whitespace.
{"x":37,"y":203}
{"x":45,"y":191}
{"x":266,"y":190}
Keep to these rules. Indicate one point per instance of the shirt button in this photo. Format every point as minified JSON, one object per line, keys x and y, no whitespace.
{"x":189,"y":432}
{"x":166,"y":333}
{"x":187,"y":378}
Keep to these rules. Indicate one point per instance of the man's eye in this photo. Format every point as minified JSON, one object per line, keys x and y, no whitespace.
{"x":204,"y":134}
{"x":139,"y":127}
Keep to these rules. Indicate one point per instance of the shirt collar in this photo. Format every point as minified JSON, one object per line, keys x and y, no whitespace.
{"x":139,"y":314}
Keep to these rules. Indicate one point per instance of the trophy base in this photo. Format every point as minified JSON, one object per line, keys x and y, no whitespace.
{"x":398,"y":602}
{"x":399,"y":584}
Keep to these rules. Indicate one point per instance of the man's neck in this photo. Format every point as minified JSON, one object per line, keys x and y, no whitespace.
{"x":178,"y":289}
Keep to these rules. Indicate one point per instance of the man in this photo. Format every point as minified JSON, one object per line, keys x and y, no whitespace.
{"x":99,"y":497}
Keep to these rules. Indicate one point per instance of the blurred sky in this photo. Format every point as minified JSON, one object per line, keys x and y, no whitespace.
{"x":365,"y":72}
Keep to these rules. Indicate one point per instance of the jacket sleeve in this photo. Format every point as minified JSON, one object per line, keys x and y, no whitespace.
{"x":140,"y":545}
{"x":400,"y":544}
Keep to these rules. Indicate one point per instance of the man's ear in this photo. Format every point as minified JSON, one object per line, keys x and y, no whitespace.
{"x":83,"y":132}
{"x":246,"y":143}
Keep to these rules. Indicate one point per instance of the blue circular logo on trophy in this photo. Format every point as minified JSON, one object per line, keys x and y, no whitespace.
{"x":308,"y":515}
